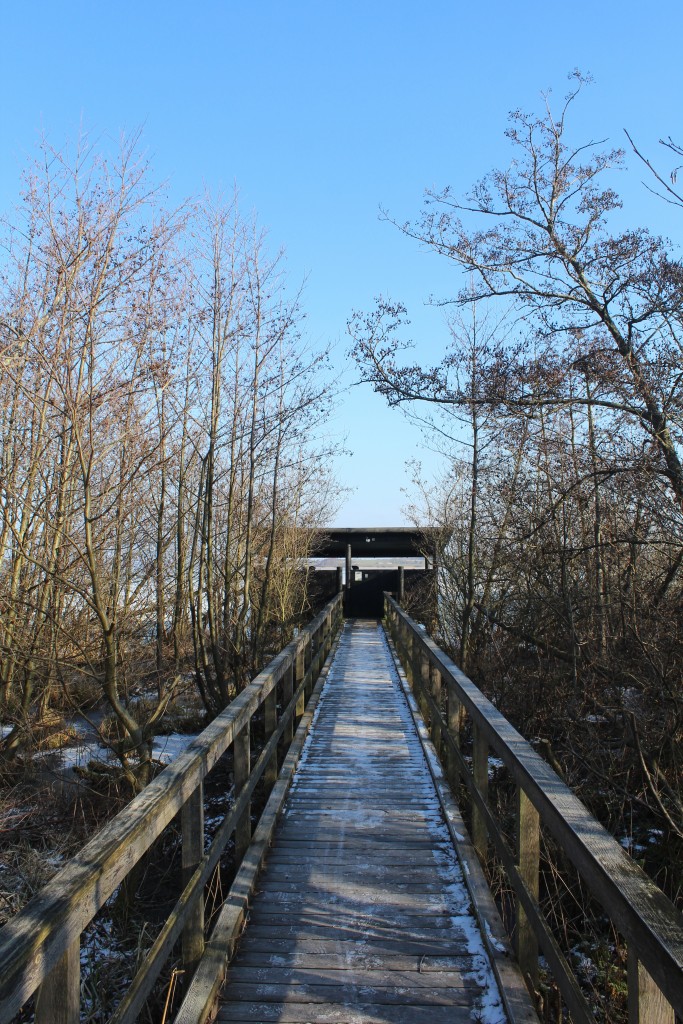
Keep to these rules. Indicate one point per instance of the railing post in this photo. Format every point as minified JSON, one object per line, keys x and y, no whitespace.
{"x":242,"y":768}
{"x":435,"y":688}
{"x":407,"y":642}
{"x":528,"y":860}
{"x":407,"y":650}
{"x":270,"y":725}
{"x":58,"y":1000}
{"x":308,"y":660}
{"x":411,"y":652}
{"x":299,"y":673}
{"x":192,"y":828}
{"x":287,"y":693}
{"x":646,"y":1004}
{"x":453,"y":720}
{"x":319,"y":650}
{"x":423,"y":675}
{"x":480,"y":773}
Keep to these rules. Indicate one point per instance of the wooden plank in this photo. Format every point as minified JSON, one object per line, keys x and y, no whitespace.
{"x":263,"y":939}
{"x":273,"y":938}
{"x":338,"y":887}
{"x":291,"y":855}
{"x":386,"y":892}
{"x":391,"y":916}
{"x":353,"y":955}
{"x":344,"y":1013}
{"x":428,"y":995}
{"x":423,"y":870}
{"x":323,"y":977}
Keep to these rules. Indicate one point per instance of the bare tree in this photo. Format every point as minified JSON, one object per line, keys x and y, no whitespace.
{"x":585,"y":491}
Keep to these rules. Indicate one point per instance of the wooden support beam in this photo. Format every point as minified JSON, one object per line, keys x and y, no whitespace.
{"x":242,"y":769}
{"x":528,"y":861}
{"x":453,"y":720}
{"x":309,"y":663}
{"x":192,"y":828}
{"x":435,"y":690}
{"x":646,"y":1002}
{"x":480,"y":773}
{"x":424,"y":684}
{"x":287,"y":693}
{"x":299,"y":672}
{"x":58,"y":1000}
{"x":270,"y":725}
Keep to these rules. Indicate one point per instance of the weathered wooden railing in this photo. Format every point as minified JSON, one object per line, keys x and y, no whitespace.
{"x":40,"y":947}
{"x":641,"y":913}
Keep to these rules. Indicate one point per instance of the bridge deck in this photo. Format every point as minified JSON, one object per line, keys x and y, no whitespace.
{"x":361,"y":913}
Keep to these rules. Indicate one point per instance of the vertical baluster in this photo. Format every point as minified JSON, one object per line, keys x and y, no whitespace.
{"x":242,"y":769}
{"x":299,"y":672}
{"x":480,"y":771}
{"x":308,"y":659}
{"x":403,"y":647}
{"x":192,"y":827}
{"x":435,"y":688}
{"x":410,"y":658}
{"x":646,"y":1004}
{"x":407,"y":651}
{"x":454,"y":720}
{"x":287,"y":692}
{"x":318,"y":651}
{"x":270,"y":725}
{"x":58,"y":1000}
{"x":423,"y":675}
{"x":328,"y":636}
{"x":528,"y":858}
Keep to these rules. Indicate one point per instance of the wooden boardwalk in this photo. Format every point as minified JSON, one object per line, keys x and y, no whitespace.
{"x":361,"y":914}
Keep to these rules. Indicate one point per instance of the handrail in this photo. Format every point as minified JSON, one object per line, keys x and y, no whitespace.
{"x":651,"y":925}
{"x":39,"y":947}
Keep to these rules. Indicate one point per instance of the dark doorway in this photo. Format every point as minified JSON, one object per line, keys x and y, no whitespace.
{"x":365,"y":598}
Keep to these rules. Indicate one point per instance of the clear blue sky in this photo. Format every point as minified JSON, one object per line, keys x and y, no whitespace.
{"x":323,"y":111}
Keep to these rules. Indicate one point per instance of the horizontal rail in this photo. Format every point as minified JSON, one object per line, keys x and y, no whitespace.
{"x":37,"y":945}
{"x":651,"y":925}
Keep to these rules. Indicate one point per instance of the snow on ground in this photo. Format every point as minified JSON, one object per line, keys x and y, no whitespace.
{"x":64,"y":759}
{"x":167,"y":748}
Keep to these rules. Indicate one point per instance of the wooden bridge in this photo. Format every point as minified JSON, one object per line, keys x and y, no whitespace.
{"x":360,"y":896}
